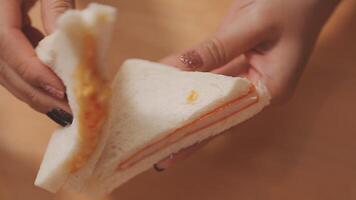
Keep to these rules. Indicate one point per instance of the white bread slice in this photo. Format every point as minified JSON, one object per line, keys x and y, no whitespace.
{"x":63,"y":52}
{"x":150,"y":101}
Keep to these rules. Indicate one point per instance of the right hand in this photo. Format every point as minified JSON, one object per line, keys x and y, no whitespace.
{"x":21,"y":72}
{"x":269,"y":41}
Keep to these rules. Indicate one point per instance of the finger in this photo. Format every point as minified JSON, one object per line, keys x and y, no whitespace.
{"x":51,"y":10}
{"x":281,"y":72}
{"x":220,"y":49}
{"x":237,"y":67}
{"x":33,"y":35}
{"x":25,"y":92}
{"x":58,"y":111}
{"x":180,"y":156}
{"x":10,"y":14}
{"x":183,"y":154}
{"x":20,"y":55}
{"x":17,"y":53}
{"x":27,"y":5}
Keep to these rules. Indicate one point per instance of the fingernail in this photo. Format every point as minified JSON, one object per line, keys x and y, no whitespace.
{"x":157,"y":168}
{"x":53,"y":91}
{"x":192,"y":60}
{"x":61,"y":117}
{"x":163,"y":164}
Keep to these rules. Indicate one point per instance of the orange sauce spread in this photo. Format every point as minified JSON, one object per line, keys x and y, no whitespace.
{"x":192,"y":97}
{"x":93,"y":94}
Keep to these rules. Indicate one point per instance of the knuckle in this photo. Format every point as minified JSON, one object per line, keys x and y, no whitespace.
{"x":61,"y":5}
{"x":216,"y":51}
{"x":246,"y":5}
{"x":24,"y":71}
{"x":262,"y":19}
{"x":32,"y":98}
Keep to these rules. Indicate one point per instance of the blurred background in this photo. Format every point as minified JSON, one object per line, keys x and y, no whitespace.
{"x":304,"y":149}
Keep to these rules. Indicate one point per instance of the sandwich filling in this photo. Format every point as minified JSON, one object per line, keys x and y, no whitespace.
{"x":93,"y":95}
{"x":215,"y":116}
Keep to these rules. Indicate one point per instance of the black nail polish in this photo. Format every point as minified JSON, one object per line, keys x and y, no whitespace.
{"x":157,"y":168}
{"x":61,"y":117}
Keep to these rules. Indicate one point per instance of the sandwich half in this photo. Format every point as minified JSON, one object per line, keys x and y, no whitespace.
{"x":76,"y":53}
{"x":161,"y":110}
{"x":150,"y":111}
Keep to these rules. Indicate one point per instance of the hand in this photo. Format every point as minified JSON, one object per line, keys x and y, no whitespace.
{"x":262,"y":40}
{"x":21,"y":72}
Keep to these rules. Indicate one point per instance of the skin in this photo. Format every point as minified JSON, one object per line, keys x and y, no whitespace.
{"x":263,"y":40}
{"x":21,"y":72}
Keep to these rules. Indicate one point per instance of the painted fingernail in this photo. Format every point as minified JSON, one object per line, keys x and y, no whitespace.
{"x":192,"y":60}
{"x":157,"y":168}
{"x":53,"y":91}
{"x":164,"y":164}
{"x":61,"y":117}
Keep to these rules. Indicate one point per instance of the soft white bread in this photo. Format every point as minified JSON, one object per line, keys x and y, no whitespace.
{"x":63,"y":52}
{"x":150,"y":101}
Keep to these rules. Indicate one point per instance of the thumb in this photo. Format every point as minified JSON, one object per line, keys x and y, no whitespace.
{"x":51,"y":10}
{"x":223,"y":47}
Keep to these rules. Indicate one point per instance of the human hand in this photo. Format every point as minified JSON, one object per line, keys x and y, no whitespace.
{"x":21,"y":72}
{"x":269,"y":41}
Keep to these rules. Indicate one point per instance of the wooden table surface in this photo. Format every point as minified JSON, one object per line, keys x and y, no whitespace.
{"x":302,"y":150}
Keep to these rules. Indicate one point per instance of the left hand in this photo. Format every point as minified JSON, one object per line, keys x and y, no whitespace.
{"x":21,"y":72}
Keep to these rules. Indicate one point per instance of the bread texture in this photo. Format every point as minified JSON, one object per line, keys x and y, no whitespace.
{"x":149,"y":102}
{"x":63,"y":51}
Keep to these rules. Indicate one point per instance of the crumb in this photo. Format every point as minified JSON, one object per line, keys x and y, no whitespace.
{"x":192,"y":97}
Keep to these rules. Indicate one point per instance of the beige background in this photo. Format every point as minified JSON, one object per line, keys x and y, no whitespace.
{"x":302,"y":150}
